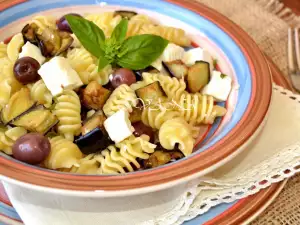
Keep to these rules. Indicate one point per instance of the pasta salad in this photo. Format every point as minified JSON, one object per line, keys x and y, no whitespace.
{"x":105,"y":93}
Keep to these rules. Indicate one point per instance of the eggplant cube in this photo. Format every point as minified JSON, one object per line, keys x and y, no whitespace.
{"x":95,"y":96}
{"x":151,"y":92}
{"x":93,"y":142}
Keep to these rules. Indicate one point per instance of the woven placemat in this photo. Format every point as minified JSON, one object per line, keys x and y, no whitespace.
{"x":267,"y":22}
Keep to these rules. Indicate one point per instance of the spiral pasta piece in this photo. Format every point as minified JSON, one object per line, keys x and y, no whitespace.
{"x":8,"y":83}
{"x":67,"y":110}
{"x":155,"y":116}
{"x":139,"y":147}
{"x":172,"y":34}
{"x":85,"y":65}
{"x":80,"y":59}
{"x":92,"y":74}
{"x":177,"y":131}
{"x":115,"y":161}
{"x":63,"y":154}
{"x":197,"y":108}
{"x":8,"y":138}
{"x":3,"y":50}
{"x":40,"y":93}
{"x":136,"y":23}
{"x":106,"y":21}
{"x":121,"y":158}
{"x":123,"y":97}
{"x":43,"y":22}
{"x":86,"y":165}
{"x":173,"y":87}
{"x":14,"y":47}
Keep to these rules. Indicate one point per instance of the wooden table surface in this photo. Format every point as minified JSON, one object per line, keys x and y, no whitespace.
{"x":293,"y":4}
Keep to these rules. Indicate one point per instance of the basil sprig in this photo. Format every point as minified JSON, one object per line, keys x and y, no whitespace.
{"x":136,"y":52}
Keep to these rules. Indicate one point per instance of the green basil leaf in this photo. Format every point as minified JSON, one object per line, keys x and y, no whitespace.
{"x":138,"y":52}
{"x":89,"y":34}
{"x":119,"y":33}
{"x":102,"y":62}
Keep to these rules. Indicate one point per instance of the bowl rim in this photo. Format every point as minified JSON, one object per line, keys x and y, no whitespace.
{"x":229,"y":144}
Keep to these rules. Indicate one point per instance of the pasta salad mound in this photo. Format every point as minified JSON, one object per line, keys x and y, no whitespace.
{"x":105,"y":93}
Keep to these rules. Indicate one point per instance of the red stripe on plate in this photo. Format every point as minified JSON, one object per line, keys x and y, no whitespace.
{"x":9,"y":3}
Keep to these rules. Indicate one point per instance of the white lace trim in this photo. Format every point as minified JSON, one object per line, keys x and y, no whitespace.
{"x":211,"y":192}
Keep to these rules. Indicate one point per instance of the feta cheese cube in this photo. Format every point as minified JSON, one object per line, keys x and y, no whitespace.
{"x":32,"y":51}
{"x":219,"y":86}
{"x":58,"y":75}
{"x":172,"y":52}
{"x":198,"y":54}
{"x":118,"y":126}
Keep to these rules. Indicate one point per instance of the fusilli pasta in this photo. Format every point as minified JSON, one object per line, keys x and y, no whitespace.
{"x":197,"y":108}
{"x":106,"y":21}
{"x":154,"y":116}
{"x":67,"y":110}
{"x":138,"y":147}
{"x":86,"y":165}
{"x":40,"y":93}
{"x":136,"y":23}
{"x":8,"y":138}
{"x":85,"y":65}
{"x":63,"y":154}
{"x":172,"y":34}
{"x":117,"y":159}
{"x":8,"y":83}
{"x":173,"y":87}
{"x":123,"y":97}
{"x":14,"y":47}
{"x":177,"y":131}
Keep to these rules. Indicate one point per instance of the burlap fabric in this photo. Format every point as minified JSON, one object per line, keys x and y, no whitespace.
{"x":267,"y":22}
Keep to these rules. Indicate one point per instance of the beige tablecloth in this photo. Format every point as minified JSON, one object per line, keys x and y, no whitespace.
{"x":267,"y":22}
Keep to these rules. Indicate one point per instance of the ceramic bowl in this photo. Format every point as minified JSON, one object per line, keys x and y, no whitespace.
{"x":237,"y":55}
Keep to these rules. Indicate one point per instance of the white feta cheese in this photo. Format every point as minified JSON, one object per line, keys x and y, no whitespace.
{"x":118,"y":126}
{"x":219,"y":86}
{"x":32,"y":51}
{"x":198,"y":54}
{"x":172,"y":52}
{"x":58,"y":75}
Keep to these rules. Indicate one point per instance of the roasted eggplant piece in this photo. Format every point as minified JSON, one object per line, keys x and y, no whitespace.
{"x":37,"y":119}
{"x":125,"y":14}
{"x":94,"y":96}
{"x":53,"y":42}
{"x":29,"y":33}
{"x":66,"y":42}
{"x":176,"y":68}
{"x":151,"y":92}
{"x":96,"y":120}
{"x":94,"y":141}
{"x":19,"y":103}
{"x":159,"y":158}
{"x":198,"y":76}
{"x":139,"y":73}
{"x":136,"y":115}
